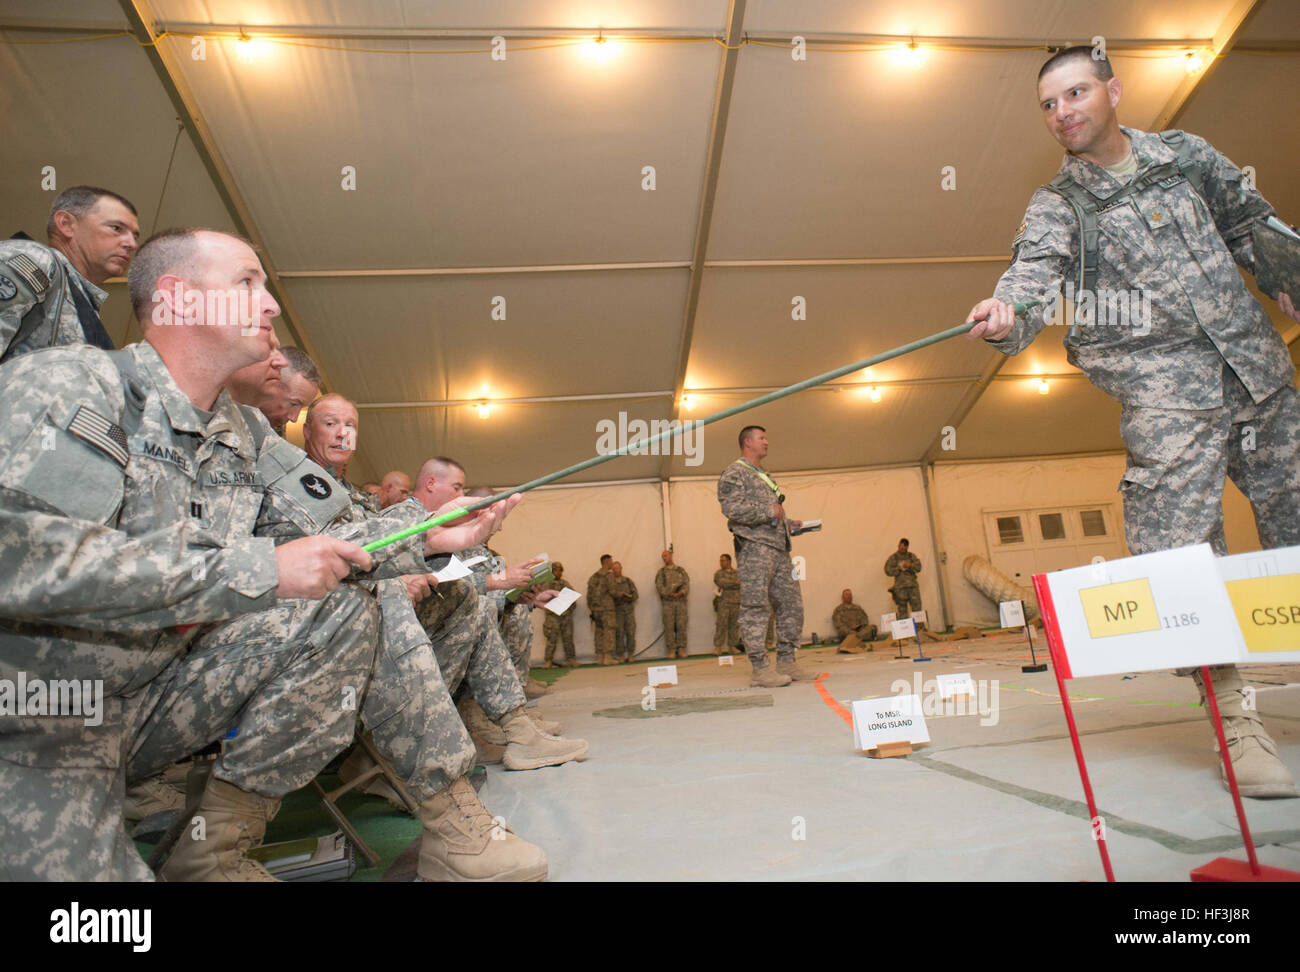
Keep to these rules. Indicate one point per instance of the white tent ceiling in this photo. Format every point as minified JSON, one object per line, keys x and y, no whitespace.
{"x":522,"y":179}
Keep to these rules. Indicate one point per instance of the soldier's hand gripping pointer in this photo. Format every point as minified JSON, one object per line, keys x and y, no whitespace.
{"x":313,"y":566}
{"x":996,"y":318}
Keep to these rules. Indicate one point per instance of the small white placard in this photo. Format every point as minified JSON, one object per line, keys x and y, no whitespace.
{"x":951,"y":685}
{"x":726,"y":660}
{"x":1264,"y":588}
{"x":902,"y":628}
{"x":561,"y":601}
{"x":919,"y":617}
{"x":662,"y":674}
{"x":454,"y":570}
{"x":1011,"y":614}
{"x":1138,"y":614}
{"x":897,"y":718}
{"x":474,"y":561}
{"x":886,"y":620}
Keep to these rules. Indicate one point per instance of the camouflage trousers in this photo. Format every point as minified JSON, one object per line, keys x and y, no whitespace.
{"x":408,"y":710}
{"x":767,"y":589}
{"x":558,"y":630}
{"x":288,"y":680}
{"x":906,"y":600}
{"x":726,"y":624}
{"x":462,"y":627}
{"x":603,"y":637}
{"x":675,"y":620}
{"x":625,"y":631}
{"x":517,"y":633}
{"x":1178,"y":459}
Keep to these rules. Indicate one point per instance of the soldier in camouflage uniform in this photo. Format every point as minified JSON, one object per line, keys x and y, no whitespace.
{"x":903,"y":566}
{"x":50,"y":295}
{"x":1205,"y":381}
{"x":603,"y":611}
{"x":726,"y":607}
{"x":557,"y":629}
{"x":673,"y":585}
{"x":472,"y":655}
{"x":143,"y":516}
{"x":754,"y":507}
{"x":849,"y":619}
{"x":623,"y":589}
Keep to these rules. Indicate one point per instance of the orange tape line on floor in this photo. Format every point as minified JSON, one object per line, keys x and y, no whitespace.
{"x":835,"y":707}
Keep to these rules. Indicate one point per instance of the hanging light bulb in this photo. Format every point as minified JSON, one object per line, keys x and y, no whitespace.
{"x":484,"y":410}
{"x":1043,"y":387}
{"x":688,"y":402}
{"x":875,"y":393}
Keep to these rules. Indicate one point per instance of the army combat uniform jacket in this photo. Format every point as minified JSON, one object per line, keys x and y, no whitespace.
{"x":1177,"y":249}
{"x":45,"y":302}
{"x":747,"y":501}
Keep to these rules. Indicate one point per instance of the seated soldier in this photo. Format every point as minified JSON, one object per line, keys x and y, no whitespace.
{"x":852,"y":626}
{"x":141,"y":566}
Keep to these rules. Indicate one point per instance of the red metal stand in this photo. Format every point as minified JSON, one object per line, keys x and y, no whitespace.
{"x":1219,"y":869}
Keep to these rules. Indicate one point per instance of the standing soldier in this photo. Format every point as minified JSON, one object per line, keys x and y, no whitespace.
{"x":51,"y":295}
{"x":903,"y":567}
{"x":1204,"y":380}
{"x":726,"y":607}
{"x":753,"y":506}
{"x":557,"y":628}
{"x":600,"y":605}
{"x":625,"y":598}
{"x":673,"y":585}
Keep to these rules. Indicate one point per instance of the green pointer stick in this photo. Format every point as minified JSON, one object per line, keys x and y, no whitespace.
{"x":442,"y":518}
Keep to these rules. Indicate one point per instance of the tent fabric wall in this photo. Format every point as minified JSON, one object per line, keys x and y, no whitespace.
{"x":964,"y":490}
{"x":865,"y":514}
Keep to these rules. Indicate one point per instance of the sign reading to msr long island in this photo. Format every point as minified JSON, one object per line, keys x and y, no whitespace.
{"x":1117,"y":609}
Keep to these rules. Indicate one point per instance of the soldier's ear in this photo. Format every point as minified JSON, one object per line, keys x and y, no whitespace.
{"x":1114,"y":89}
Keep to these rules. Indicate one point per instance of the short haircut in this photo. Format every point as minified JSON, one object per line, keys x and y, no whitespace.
{"x":369,"y":484}
{"x":79,"y":200}
{"x":605,"y":557}
{"x":331,"y":397}
{"x":439,"y":463}
{"x":1080,"y":52}
{"x":300,"y":363}
{"x":172,"y":250}
{"x":726,"y":556}
{"x":746,"y":432}
{"x":903,"y":541}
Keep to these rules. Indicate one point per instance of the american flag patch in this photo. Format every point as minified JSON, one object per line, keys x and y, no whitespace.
{"x":22,"y":264}
{"x":92,"y":428}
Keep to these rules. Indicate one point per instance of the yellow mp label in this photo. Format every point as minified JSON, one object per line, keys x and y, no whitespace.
{"x":1268,"y":611}
{"x":1119,"y":609}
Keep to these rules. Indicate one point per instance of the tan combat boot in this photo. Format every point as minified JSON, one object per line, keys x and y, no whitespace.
{"x":1255,"y":763}
{"x":488,"y":738}
{"x":359,"y":762}
{"x":767,"y":677}
{"x":790,"y":666}
{"x":461,"y":842}
{"x":234,"y":822}
{"x":153,"y":795}
{"x":530,"y":748}
{"x":533,"y":689}
{"x":545,"y":725}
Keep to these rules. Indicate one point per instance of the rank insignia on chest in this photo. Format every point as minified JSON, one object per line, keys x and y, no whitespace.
{"x":315,"y":486}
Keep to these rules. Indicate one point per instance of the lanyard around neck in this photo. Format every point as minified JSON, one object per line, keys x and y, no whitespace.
{"x":765,"y":477}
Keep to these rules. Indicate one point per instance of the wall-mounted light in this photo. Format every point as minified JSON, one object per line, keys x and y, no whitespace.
{"x":484,"y":409}
{"x":874,"y":393}
{"x":1043,"y":387}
